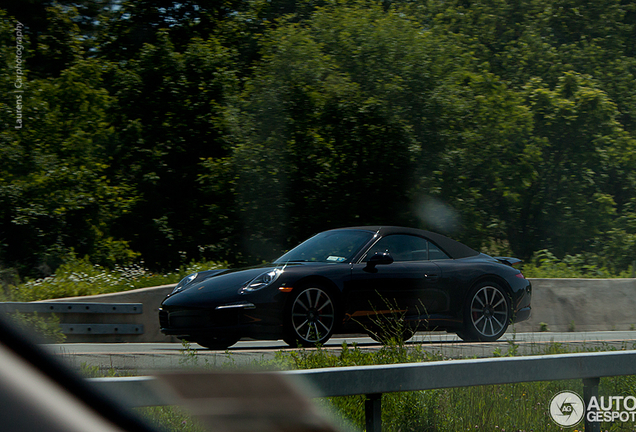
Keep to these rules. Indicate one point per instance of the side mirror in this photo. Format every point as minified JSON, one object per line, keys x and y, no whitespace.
{"x":379,"y":258}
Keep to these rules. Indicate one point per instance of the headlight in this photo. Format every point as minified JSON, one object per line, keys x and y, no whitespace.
{"x":184,"y":282}
{"x":261,"y":281}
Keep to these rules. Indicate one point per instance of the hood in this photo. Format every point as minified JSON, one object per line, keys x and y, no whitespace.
{"x":220,"y":285}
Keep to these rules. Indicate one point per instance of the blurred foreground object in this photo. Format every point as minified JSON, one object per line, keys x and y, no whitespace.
{"x":37,"y":393}
{"x":246,"y":402}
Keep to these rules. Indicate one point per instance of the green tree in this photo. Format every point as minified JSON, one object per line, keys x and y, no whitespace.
{"x":521,"y":40}
{"x":580,"y":149}
{"x":53,"y":178}
{"x":483,"y":169}
{"x":336,"y":122}
{"x":231,"y":130}
{"x":171,"y":115}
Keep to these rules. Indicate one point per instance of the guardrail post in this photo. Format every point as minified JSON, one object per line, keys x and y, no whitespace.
{"x":373,"y":412}
{"x":590,"y":388}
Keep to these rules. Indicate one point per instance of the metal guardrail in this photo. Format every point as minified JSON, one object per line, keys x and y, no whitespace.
{"x":82,"y":308}
{"x":373,"y":381}
{"x":71,"y":307}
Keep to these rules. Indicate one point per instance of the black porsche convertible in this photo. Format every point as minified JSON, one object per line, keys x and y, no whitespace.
{"x":385,"y":281}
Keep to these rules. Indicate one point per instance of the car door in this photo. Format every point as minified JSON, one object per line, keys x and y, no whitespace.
{"x":409,"y":285}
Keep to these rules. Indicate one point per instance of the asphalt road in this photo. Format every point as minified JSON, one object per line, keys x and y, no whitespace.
{"x":144,"y":358}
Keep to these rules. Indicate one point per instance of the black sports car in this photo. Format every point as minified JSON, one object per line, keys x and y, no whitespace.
{"x":385,"y":281}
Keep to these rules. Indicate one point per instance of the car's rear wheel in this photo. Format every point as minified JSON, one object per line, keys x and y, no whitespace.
{"x":487,"y":313}
{"x":217,"y":342}
{"x":311,"y":316}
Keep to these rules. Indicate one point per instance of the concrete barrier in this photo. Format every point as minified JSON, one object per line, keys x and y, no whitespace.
{"x":582,"y":305}
{"x":562,"y":304}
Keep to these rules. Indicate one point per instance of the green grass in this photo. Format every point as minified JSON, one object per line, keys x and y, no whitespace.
{"x":544,"y":264}
{"x":168,"y":418}
{"x":512,"y":407}
{"x":500,"y":408}
{"x":78,"y":277}
{"x":45,"y":328}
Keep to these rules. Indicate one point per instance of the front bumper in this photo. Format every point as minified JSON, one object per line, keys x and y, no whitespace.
{"x":240,"y":319}
{"x":177,"y":320}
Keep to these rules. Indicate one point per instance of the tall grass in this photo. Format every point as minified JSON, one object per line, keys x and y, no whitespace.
{"x":544,"y":264}
{"x":512,"y":407}
{"x":78,"y":277}
{"x":497,"y":408}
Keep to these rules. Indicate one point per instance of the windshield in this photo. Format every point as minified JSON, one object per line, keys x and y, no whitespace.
{"x":330,"y":246}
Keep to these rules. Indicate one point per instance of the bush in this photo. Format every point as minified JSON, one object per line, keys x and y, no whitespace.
{"x":47,"y":328}
{"x":78,"y":277}
{"x":544,"y":264}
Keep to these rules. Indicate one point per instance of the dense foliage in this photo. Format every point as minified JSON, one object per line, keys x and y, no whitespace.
{"x":229,"y":130}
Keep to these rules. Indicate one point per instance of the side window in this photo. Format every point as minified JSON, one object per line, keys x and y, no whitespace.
{"x":402,"y":247}
{"x":435,"y":253}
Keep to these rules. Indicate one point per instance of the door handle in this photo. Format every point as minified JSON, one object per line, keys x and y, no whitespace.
{"x":431,"y":277}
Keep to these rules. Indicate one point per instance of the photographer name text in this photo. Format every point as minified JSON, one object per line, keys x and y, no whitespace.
{"x":19,"y":75}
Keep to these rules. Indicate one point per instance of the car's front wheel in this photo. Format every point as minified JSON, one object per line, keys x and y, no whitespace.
{"x":311,"y":316}
{"x":487,"y":313}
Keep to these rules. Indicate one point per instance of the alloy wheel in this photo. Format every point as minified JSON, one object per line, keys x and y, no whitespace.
{"x":489,"y":311}
{"x":313,"y":316}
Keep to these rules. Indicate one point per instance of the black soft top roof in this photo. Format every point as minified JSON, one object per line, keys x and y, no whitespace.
{"x":453,"y":249}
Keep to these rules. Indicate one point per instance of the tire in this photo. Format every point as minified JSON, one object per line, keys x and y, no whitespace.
{"x":487,"y":313}
{"x":310,"y":317}
{"x":217,"y":343}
